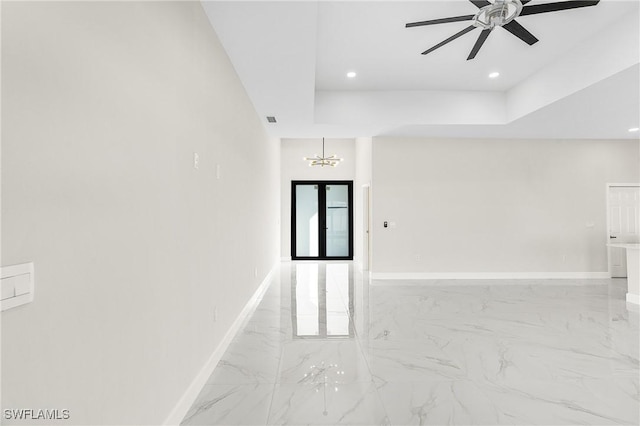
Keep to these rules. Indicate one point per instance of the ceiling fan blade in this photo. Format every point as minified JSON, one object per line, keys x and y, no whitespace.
{"x":481,"y":39}
{"x":519,"y":31}
{"x":480,"y":3}
{"x":453,"y":37}
{"x":553,"y":7}
{"x":440,"y":21}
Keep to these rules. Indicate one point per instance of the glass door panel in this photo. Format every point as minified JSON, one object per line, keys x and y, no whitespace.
{"x":337,"y":220}
{"x":307,"y":235}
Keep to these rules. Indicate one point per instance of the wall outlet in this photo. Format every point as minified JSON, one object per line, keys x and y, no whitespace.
{"x":564,"y":258}
{"x":218,"y":171}
{"x":196,"y":161}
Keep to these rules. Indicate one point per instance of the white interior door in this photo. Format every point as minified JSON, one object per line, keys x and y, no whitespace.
{"x":624,"y":226}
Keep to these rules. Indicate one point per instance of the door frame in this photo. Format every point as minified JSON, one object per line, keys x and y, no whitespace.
{"x":321,"y":223}
{"x":608,"y":229}
{"x":366,"y":227}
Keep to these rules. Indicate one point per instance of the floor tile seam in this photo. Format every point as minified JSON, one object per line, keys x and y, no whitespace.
{"x":382,"y":403}
{"x":552,"y":380}
{"x":512,"y":337}
{"x":275,"y":384}
{"x":377,"y":377}
{"x":381,"y":382}
{"x":496,"y":383}
{"x":237,"y":384}
{"x":371,"y":387}
{"x":359,"y":351}
{"x":364,"y":354}
{"x":345,"y":383}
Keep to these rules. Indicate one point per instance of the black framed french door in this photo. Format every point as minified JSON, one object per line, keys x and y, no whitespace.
{"x":322,"y":220}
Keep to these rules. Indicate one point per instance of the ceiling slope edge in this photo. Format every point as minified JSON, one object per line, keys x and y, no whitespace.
{"x":389,"y":108}
{"x":594,"y":60}
{"x":602,"y":111}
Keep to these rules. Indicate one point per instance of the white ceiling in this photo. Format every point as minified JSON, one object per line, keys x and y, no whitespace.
{"x":579,"y":81}
{"x":371,"y":38}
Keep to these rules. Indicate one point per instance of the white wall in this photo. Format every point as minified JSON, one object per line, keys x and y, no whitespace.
{"x":294,"y":168}
{"x":495,"y":206}
{"x":104,"y":104}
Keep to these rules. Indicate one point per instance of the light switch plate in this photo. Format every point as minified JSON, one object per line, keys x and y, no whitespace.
{"x":8,"y":290}
{"x":17,"y":283}
{"x":22,"y":284}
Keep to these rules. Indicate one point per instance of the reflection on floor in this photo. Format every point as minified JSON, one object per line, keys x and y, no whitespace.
{"x":326,"y":346}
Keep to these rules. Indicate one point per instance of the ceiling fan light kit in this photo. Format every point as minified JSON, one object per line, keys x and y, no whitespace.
{"x":499,"y":13}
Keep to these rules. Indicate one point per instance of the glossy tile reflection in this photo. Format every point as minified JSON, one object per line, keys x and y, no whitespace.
{"x":306,"y":300}
{"x":325,"y":346}
{"x":322,"y":300}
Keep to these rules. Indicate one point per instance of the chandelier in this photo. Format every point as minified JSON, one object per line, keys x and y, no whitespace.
{"x":331,"y":160}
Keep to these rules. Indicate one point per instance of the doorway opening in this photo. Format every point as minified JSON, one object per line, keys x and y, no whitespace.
{"x":623,"y":217}
{"x":322,"y":220}
{"x":366,"y":221}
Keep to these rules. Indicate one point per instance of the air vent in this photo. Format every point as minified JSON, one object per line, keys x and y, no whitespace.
{"x":271,"y":119}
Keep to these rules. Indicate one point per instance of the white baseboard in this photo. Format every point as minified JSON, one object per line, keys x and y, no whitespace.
{"x":487,"y":275}
{"x":192,"y":392}
{"x":633,"y":298}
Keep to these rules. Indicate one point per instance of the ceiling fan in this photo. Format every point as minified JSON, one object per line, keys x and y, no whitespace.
{"x":499,"y":13}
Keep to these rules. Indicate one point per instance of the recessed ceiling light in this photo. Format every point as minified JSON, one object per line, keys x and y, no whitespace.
{"x":634,"y":129}
{"x":351,"y":74}
{"x":494,"y":75}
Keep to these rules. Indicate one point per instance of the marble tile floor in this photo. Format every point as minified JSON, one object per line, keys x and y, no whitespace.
{"x":327,"y":346}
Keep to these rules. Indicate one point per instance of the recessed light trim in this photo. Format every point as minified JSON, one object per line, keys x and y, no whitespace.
{"x":634,"y":129}
{"x":494,"y":74}
{"x":351,"y":74}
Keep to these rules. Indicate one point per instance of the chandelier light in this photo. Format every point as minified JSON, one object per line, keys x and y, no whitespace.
{"x":331,"y":160}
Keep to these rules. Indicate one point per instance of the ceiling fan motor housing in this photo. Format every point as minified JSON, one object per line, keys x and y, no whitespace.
{"x":499,"y":13}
